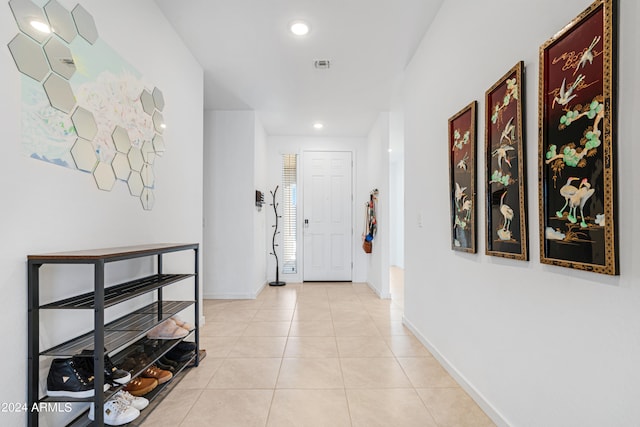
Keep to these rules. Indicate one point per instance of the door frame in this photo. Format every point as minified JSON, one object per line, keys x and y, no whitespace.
{"x":301,"y":195}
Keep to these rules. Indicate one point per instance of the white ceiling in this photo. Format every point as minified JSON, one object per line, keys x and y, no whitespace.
{"x":252,"y":62}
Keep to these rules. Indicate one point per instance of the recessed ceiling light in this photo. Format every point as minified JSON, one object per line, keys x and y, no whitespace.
{"x":318,"y":125}
{"x":390,"y":150}
{"x":299,"y":28}
{"x":40,"y":26}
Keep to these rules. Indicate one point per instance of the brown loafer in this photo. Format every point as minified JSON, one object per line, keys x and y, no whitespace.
{"x":159,"y":374}
{"x":140,"y":386}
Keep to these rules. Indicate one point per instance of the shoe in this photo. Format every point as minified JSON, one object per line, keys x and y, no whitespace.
{"x":165,"y":366}
{"x":184,"y":325}
{"x":67,"y":378}
{"x":137,"y":402}
{"x":168,"y":362}
{"x":178,"y":355}
{"x":186,"y":346}
{"x":116,"y":412}
{"x":159,"y":374}
{"x":167,"y":330}
{"x":140,"y":386}
{"x":111,"y":373}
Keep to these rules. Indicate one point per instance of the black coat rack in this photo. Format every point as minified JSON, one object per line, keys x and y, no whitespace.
{"x":273,"y":240}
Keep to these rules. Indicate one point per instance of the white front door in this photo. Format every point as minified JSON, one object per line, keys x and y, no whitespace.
{"x":327,"y":231}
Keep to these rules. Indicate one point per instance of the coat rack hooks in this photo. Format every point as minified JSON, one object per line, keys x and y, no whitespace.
{"x":273,"y":240}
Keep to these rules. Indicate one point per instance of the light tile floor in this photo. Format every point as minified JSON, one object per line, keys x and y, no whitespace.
{"x":314,"y":354}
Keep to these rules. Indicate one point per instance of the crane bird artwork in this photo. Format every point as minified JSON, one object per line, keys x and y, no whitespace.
{"x":578,"y":200}
{"x":567,"y":191}
{"x":587,"y":56}
{"x":501,"y":153}
{"x":504,"y":233}
{"x":566,"y":95}
{"x":509,"y":132}
{"x":462,"y":164}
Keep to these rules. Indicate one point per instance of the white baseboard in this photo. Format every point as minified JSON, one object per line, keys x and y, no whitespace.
{"x":377,"y":292}
{"x":244,"y":295}
{"x":487,"y":407}
{"x":228,"y":296}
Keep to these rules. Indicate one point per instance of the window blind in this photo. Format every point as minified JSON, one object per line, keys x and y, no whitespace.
{"x":289,"y":213}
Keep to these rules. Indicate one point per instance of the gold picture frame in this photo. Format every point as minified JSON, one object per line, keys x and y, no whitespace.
{"x":576,"y":162}
{"x":462,"y":178}
{"x":506,"y":207}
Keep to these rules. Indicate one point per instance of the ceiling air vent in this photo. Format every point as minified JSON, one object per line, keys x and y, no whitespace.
{"x":322,"y":64}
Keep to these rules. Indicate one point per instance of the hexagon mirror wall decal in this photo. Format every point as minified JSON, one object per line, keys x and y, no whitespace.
{"x":85,"y":24}
{"x":59,"y":93}
{"x":104,"y":176}
{"x":158,"y":122}
{"x":158,"y":98}
{"x":135,"y":159}
{"x":146,"y":99}
{"x":148,"y":199}
{"x":84,"y":123}
{"x":60,"y":58}
{"x":121,"y":139}
{"x":135,"y":184}
{"x":29,"y":57}
{"x":42,"y":52}
{"x":31,"y":19}
{"x":84,"y":155}
{"x":121,"y":168}
{"x":158,"y":145}
{"x":61,"y":21}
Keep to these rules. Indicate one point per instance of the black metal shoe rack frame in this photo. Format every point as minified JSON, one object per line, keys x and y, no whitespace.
{"x":126,"y":333}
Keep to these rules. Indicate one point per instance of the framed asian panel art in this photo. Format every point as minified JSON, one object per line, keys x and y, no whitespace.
{"x":462,"y":178}
{"x":506,"y":228}
{"x":576,"y":110}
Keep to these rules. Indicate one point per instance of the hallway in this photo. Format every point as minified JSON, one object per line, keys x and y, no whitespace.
{"x":314,"y":354}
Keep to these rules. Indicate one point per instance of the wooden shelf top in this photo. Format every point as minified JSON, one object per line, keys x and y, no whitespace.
{"x":113,"y":253}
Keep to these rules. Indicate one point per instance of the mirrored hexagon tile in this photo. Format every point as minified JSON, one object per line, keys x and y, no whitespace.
{"x":158,"y":122}
{"x":30,"y":19}
{"x":121,"y":139}
{"x":146,"y":99}
{"x":158,"y":98}
{"x":59,"y":93}
{"x":121,"y":168}
{"x":29,"y":57}
{"x":148,"y":199}
{"x":61,"y":21}
{"x":135,"y":184}
{"x":84,"y":123}
{"x":148,"y":177}
{"x":158,"y":145}
{"x":135,"y":159}
{"x":104,"y":176}
{"x":148,"y":153}
{"x":85,"y":24}
{"x":60,"y":58}
{"x":84,"y":155}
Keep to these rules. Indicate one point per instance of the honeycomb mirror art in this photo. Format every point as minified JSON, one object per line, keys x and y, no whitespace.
{"x":83,"y":106}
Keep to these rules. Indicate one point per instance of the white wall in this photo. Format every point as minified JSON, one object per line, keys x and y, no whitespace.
{"x":47,"y":208}
{"x":234,"y":229}
{"x":536,"y":345}
{"x":378,"y":178}
{"x":260,"y":216}
{"x":279,"y":145}
{"x":396,"y":189}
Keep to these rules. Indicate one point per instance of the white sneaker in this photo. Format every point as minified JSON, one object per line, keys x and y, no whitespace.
{"x":116,"y":412}
{"x":137,"y":402}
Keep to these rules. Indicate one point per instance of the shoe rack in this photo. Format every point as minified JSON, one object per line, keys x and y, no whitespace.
{"x":126,"y":334}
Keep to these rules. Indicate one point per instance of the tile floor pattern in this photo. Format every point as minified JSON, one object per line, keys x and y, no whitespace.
{"x":314,"y":354}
